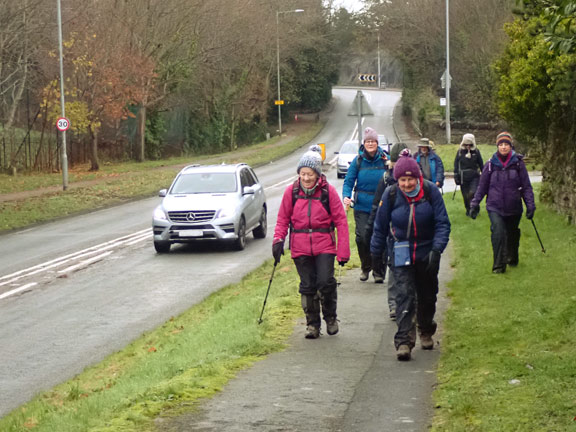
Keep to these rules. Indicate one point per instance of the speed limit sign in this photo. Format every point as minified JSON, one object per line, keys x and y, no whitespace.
{"x":63,"y":124}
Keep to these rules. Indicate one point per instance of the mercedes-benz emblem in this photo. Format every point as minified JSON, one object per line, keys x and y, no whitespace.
{"x":190,"y":217}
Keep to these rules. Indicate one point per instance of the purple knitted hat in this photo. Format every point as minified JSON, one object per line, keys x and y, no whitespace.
{"x":406,"y":167}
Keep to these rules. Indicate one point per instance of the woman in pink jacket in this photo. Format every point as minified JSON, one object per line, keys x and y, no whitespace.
{"x":311,"y":211}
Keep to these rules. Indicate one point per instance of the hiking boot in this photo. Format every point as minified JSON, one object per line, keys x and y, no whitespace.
{"x":312,"y":332}
{"x":512,"y":262}
{"x":364,"y":276}
{"x":403,"y":353}
{"x":426,"y":342}
{"x":332,"y":326}
{"x":378,"y":278}
{"x":499,"y":270}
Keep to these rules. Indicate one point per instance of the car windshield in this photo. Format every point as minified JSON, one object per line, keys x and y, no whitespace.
{"x":205,"y":183}
{"x":349,"y":148}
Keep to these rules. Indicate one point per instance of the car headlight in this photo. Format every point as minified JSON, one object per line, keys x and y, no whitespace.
{"x":225,"y":212}
{"x":159,"y":213}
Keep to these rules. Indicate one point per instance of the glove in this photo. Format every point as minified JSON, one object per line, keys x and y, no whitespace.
{"x":474,"y":212}
{"x":277,"y":251}
{"x":342,"y":262}
{"x":530,"y":213}
{"x":433,"y":262}
{"x":457,"y":181}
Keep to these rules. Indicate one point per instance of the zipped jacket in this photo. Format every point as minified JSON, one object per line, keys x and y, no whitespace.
{"x":436,"y":167}
{"x":467,"y":169}
{"x":361,"y":182}
{"x":505,"y":186}
{"x":430,"y":226}
{"x":311,"y":226}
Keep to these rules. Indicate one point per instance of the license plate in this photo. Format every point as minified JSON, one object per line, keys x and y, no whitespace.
{"x":190,"y":233}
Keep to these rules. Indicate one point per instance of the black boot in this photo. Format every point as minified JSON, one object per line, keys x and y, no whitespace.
{"x":329,"y":301}
{"x":311,"y":307}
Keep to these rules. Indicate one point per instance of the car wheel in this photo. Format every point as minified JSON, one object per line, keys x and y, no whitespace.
{"x":339,"y":175}
{"x":260,"y":231}
{"x":240,"y":242}
{"x":162,"y":246}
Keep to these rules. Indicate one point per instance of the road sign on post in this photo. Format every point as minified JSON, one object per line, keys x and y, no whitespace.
{"x":63,"y":124}
{"x":367,"y":77}
{"x":360,"y":108}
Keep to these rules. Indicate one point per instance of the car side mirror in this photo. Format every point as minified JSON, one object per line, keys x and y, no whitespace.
{"x":162,"y":193}
{"x":248,"y":190}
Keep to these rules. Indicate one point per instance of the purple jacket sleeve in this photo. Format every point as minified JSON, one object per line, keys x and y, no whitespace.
{"x":527,"y":191}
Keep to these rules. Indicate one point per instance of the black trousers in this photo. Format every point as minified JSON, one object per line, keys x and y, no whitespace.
{"x":505,"y":239}
{"x":468,"y":189}
{"x":416,"y":293}
{"x":317,"y":287}
{"x":361,"y":220}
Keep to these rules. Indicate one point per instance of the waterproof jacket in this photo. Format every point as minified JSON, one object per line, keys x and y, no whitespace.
{"x":386,"y":180}
{"x":436,"y":167}
{"x":429,"y":230}
{"x":362,"y":181}
{"x":466,"y":168}
{"x":311,"y":225}
{"x":505,"y":185}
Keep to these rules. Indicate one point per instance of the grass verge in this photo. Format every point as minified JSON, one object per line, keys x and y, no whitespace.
{"x":509,"y":354}
{"x":117,"y":183}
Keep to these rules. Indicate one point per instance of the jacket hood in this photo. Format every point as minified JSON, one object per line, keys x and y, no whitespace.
{"x":468,"y":139}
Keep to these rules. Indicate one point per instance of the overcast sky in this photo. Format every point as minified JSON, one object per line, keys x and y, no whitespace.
{"x":351,"y":5}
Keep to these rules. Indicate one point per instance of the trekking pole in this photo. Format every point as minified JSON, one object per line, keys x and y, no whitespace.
{"x":538,"y":235}
{"x":454,"y":194}
{"x":267,"y":291}
{"x":339,"y":281}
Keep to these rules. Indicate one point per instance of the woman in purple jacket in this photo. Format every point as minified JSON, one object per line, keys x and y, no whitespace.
{"x":506,"y":183}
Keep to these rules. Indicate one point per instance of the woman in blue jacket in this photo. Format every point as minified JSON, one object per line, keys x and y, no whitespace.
{"x":360,"y":183}
{"x":413,"y":226}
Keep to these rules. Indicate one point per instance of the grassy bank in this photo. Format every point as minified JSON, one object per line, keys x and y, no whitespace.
{"x":508,"y":350}
{"x":116,"y":183}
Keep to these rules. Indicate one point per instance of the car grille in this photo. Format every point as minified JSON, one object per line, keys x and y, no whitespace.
{"x":194,"y":216}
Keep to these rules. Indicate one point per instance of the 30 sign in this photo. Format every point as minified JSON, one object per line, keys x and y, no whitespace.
{"x":63,"y":124}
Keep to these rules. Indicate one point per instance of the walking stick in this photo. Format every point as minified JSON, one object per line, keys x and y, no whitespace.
{"x":267,"y":291}
{"x":454,"y":194}
{"x":339,"y":281}
{"x":538,"y":235}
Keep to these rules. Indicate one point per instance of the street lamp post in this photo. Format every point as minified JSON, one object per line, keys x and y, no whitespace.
{"x":279,"y":101}
{"x":63,"y":105}
{"x":448,"y":80}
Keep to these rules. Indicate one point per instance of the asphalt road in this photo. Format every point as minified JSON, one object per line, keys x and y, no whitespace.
{"x":76,"y":290}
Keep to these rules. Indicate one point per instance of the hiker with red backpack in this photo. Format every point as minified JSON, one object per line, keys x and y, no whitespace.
{"x":312,"y":214}
{"x":506,"y":183}
{"x":412,"y":225}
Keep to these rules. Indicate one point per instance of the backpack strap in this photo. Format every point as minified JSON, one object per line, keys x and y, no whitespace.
{"x":324,"y":194}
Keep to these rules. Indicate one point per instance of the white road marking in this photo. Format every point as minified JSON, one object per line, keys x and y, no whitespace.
{"x":17,"y":290}
{"x":124,"y":240}
{"x":85,"y":263}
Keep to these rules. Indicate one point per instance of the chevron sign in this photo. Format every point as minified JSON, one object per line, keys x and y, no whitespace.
{"x":367,"y":77}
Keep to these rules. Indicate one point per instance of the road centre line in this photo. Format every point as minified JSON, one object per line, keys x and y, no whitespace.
{"x":66,"y":258}
{"x":289,"y":180}
{"x":86,"y":262}
{"x":17,"y":290}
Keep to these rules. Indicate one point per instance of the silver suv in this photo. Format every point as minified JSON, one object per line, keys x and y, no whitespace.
{"x":211,"y":202}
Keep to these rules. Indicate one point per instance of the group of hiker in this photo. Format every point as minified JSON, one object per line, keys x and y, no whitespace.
{"x":401,"y":226}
